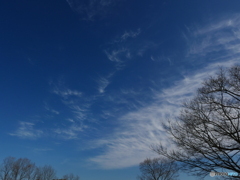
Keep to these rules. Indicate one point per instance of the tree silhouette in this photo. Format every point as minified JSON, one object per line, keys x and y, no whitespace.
{"x":207,"y":132}
{"x":158,"y":169}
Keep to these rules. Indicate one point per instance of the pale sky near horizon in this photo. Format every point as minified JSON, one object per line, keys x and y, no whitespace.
{"x":86,"y":84}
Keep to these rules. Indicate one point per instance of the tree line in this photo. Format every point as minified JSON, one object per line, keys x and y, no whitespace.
{"x":23,"y":169}
{"x":206,"y":133}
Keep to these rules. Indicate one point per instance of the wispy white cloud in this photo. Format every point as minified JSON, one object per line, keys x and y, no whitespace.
{"x":161,"y":59}
{"x":46,"y":106}
{"x":75,"y":125}
{"x":145,"y":46}
{"x":70,"y":120}
{"x":72,"y":99}
{"x":103,"y":83}
{"x":65,"y":93}
{"x":128,"y":46}
{"x":215,"y":45}
{"x":222,"y":23}
{"x":131,"y":98}
{"x":121,"y":51}
{"x":140,"y":129}
{"x":119,"y":56}
{"x":80,"y":111}
{"x":70,"y":132}
{"x":220,"y":37}
{"x":131,"y":141}
{"x":26,"y":130}
{"x":91,"y":8}
{"x":130,"y":34}
{"x":78,"y":105}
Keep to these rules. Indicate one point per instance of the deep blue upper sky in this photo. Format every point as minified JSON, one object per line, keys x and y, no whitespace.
{"x":86,"y":84}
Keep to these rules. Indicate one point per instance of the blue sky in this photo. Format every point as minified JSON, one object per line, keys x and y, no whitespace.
{"x":86,"y":84}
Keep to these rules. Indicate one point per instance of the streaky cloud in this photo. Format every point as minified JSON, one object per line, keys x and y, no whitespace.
{"x":219,"y":38}
{"x":130,"y":34}
{"x":50,"y":109}
{"x":141,"y":128}
{"x":65,"y":93}
{"x":26,"y":130}
{"x":70,"y":132}
{"x":119,"y":57}
{"x":103,"y":83}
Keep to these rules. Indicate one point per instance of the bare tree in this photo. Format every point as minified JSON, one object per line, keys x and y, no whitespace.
{"x":17,"y":169}
{"x":71,"y":176}
{"x":24,"y":169}
{"x":158,"y":169}
{"x":207,"y":132}
{"x":45,"y":173}
{"x":6,"y":168}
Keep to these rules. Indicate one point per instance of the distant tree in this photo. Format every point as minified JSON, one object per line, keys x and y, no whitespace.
{"x":71,"y":177}
{"x":158,"y":169}
{"x":207,"y":133}
{"x":6,"y":168}
{"x":17,"y":169}
{"x":24,"y":169}
{"x":45,"y":173}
